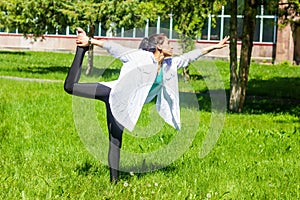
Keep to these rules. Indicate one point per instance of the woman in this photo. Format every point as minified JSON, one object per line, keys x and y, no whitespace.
{"x":146,"y":73}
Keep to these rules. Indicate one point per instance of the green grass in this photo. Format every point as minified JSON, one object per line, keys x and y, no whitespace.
{"x":43,"y":157}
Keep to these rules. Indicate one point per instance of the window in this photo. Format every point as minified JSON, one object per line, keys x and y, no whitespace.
{"x":265,"y":28}
{"x":215,"y":31}
{"x":269,"y":31}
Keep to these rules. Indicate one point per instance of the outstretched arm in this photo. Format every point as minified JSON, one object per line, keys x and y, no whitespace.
{"x":220,"y":45}
{"x":184,"y":59}
{"x":116,"y":50}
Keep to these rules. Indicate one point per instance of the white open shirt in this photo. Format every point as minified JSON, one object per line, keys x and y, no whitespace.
{"x":131,"y":90}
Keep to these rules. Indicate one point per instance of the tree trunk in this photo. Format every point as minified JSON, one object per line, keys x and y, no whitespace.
{"x":233,"y":104}
{"x":90,"y":62}
{"x":239,"y":92}
{"x":186,"y":74}
{"x":90,"y":52}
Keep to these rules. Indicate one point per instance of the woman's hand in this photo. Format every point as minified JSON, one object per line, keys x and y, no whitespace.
{"x":82,"y":39}
{"x":222,"y":43}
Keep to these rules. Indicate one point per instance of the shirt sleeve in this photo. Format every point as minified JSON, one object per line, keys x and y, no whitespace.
{"x":117,"y":50}
{"x":186,"y":58}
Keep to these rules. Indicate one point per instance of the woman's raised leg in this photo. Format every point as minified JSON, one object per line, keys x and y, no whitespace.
{"x":75,"y":70}
{"x":88,"y":90}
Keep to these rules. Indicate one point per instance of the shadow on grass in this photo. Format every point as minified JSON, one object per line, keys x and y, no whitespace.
{"x":277,"y":87}
{"x":95,"y":73}
{"x":126,"y":175}
{"x":264,"y":105}
{"x":257,"y":104}
{"x":89,"y":168}
{"x":44,"y":70}
{"x":14,"y":52}
{"x":276,"y":95}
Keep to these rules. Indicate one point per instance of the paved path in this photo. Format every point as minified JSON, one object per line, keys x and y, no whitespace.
{"x":31,"y":79}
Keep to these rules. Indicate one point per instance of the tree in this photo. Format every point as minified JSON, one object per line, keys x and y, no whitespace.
{"x":189,"y":15}
{"x":233,"y":55}
{"x":106,"y":11}
{"x":36,"y":17}
{"x":239,"y":79}
{"x":289,"y":19}
{"x":289,"y":11}
{"x":33,"y":17}
{"x":84,"y":14}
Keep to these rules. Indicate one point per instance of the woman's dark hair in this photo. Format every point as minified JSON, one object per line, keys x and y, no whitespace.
{"x":150,"y":43}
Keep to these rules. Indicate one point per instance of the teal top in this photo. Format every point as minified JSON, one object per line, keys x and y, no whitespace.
{"x":158,"y":80}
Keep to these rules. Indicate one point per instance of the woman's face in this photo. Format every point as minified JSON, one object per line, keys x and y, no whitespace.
{"x":166,"y":48}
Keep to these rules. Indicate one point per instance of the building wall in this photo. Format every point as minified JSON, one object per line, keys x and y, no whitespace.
{"x":288,"y":45}
{"x":261,"y":51}
{"x":285,"y":45}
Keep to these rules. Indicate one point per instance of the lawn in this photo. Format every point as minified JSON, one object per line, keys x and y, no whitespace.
{"x":47,"y":150}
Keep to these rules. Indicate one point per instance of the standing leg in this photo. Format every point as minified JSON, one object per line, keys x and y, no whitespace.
{"x":115,"y":142}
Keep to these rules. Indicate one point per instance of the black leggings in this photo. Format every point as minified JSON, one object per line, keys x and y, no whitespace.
{"x":100,"y":92}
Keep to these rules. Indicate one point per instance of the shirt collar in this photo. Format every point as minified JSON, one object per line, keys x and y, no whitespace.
{"x":168,"y":61}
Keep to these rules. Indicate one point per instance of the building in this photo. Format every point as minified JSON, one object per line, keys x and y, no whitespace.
{"x":271,"y":44}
